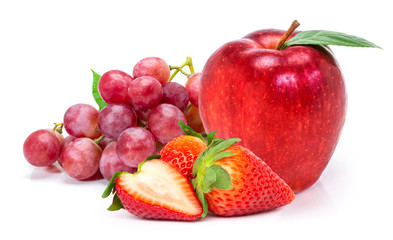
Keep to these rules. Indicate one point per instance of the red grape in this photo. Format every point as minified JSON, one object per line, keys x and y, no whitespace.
{"x":194,"y":119}
{"x":192,"y":86}
{"x":114,"y":118}
{"x":104,"y":142}
{"x":64,"y":144}
{"x":134,"y":145}
{"x":153,"y":67}
{"x":110,"y":162}
{"x":174,"y":93}
{"x":42,"y":148}
{"x":145,"y":93}
{"x":163,"y":122}
{"x":81,"y":158}
{"x":113,"y":86}
{"x":142,"y":114}
{"x":80,"y":120}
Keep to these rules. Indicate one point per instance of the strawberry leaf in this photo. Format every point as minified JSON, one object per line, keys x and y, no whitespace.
{"x":202,"y":199}
{"x":210,"y":137}
{"x":222,"y":155}
{"x":196,"y":165}
{"x":220,"y":146}
{"x":111,"y":185}
{"x":189,"y":131}
{"x":223,"y":179}
{"x":116,"y":204}
{"x":97,"y":97}
{"x":210,"y":177}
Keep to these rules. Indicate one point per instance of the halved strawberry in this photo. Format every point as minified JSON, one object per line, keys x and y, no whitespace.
{"x":157,"y":191}
{"x":231,"y":180}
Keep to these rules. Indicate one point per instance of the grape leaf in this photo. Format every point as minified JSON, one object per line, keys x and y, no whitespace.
{"x":97,"y":97}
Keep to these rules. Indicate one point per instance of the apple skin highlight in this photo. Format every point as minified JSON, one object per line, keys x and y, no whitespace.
{"x":287,"y":106}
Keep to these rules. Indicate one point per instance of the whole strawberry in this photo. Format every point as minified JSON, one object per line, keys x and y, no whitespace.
{"x":231,"y":180}
{"x":181,"y":152}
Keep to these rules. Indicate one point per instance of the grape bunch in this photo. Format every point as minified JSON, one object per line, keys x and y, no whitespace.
{"x":137,"y":116}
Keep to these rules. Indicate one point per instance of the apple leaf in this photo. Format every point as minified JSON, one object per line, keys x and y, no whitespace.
{"x":97,"y":97}
{"x":321,"y":37}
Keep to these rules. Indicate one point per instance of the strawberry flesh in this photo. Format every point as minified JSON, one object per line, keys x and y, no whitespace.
{"x":158,"y":191}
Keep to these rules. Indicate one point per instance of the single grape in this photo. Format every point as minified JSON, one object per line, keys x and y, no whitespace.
{"x":96,"y":176}
{"x":176,"y":94}
{"x":42,"y":148}
{"x":192,"y":86}
{"x":145,"y":93}
{"x":114,"y":118}
{"x":113,"y":86}
{"x":64,"y":144}
{"x":194,"y":119}
{"x":153,"y":67}
{"x":163,"y":122}
{"x":81,"y":158}
{"x":80,"y":120}
{"x":110,"y":162}
{"x":142,"y":114}
{"x":104,"y":142}
{"x":134,"y":145}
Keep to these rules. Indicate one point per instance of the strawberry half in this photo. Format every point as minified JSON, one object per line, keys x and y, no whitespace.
{"x":156,"y":191}
{"x":231,"y":180}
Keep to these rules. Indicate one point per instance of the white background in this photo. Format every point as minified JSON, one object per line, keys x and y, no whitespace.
{"x":48,"y":47}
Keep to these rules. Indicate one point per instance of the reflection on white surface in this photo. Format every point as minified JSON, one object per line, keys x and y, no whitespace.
{"x":315,"y":199}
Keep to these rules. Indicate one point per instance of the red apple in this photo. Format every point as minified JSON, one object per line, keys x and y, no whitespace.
{"x":288,"y":106}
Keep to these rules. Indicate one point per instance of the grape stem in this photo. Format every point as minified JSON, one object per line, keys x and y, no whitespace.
{"x":187,"y":108}
{"x":178,"y":69}
{"x":58,"y":128}
{"x":98,"y":140}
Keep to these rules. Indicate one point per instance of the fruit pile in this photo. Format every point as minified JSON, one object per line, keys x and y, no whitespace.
{"x":137,"y":116}
{"x":281,"y":92}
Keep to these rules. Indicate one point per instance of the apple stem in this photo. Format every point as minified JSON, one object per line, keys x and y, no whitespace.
{"x":288,"y":33}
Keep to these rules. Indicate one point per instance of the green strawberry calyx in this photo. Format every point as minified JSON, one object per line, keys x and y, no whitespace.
{"x":208,"y":175}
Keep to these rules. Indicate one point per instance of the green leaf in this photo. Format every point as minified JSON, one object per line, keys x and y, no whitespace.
{"x":210,"y":177}
{"x":147,"y":159}
{"x":194,"y":183}
{"x":202,"y":199}
{"x":222,"y":145}
{"x":223,"y":179}
{"x":210,"y":137}
{"x":97,"y":97}
{"x":111,"y":185}
{"x":197,"y":163}
{"x":321,"y":37}
{"x":189,"y":131}
{"x":222,"y":155}
{"x":116,"y":204}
